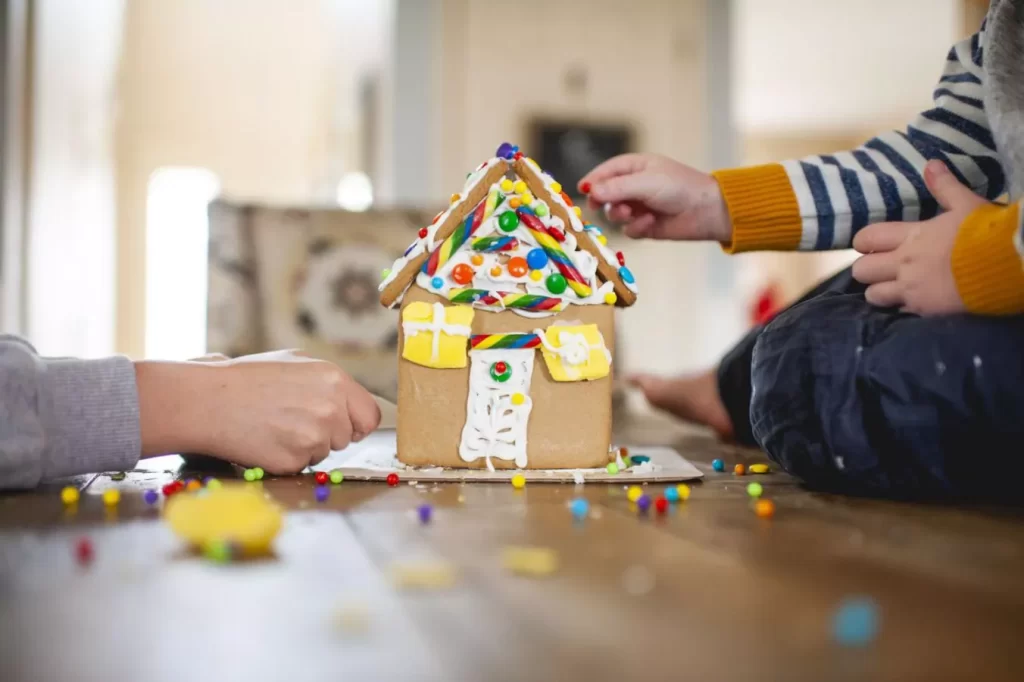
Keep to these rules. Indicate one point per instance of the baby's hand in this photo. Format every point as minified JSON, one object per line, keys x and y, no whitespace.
{"x":282,"y":411}
{"x":659,"y":198}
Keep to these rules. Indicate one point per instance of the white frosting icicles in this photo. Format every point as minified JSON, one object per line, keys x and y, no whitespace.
{"x":498,"y":409}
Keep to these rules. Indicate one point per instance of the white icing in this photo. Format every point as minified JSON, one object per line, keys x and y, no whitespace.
{"x":436,"y":326}
{"x":573,"y":349}
{"x":495,"y":427}
{"x":610,"y":258}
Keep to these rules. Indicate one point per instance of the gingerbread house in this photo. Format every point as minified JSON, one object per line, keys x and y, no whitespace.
{"x":507,"y":327}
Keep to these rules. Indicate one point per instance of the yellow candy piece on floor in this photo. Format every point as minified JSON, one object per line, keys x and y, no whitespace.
{"x":634,"y":493}
{"x":69,"y":495}
{"x":758,"y":469}
{"x":237,"y":514}
{"x":423,"y":575}
{"x":531,"y":561}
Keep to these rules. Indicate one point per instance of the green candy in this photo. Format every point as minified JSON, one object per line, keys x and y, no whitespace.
{"x":754,"y":489}
{"x":540,"y":209}
{"x":217,"y":550}
{"x":385,"y":273}
{"x":249,"y":475}
{"x":259,"y":473}
{"x":337,"y":477}
{"x":556,"y":283}
{"x":612,"y":468}
{"x":508,"y":221}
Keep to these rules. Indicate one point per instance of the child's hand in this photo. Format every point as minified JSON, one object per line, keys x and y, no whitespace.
{"x":279,"y":411}
{"x":659,"y":198}
{"x":908,"y":264}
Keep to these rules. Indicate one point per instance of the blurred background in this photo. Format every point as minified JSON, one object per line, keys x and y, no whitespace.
{"x":232,"y":175}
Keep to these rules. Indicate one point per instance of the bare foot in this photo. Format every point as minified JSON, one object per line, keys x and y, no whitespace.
{"x":693,"y":398}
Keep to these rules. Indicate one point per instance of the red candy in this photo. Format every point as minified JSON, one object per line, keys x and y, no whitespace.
{"x":622,"y":258}
{"x":557,"y":234}
{"x":661,"y":504}
{"x":435,"y":218}
{"x":321,"y":477}
{"x":83,"y":551}
{"x":585,"y":187}
{"x":423,"y":232}
{"x":169,"y":490}
{"x":500,"y":367}
{"x":517,"y":156}
{"x":517,"y":266}
{"x":392,"y":480}
{"x":462,"y":274}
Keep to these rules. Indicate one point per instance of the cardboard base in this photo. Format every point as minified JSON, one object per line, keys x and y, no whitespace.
{"x":375,"y":458}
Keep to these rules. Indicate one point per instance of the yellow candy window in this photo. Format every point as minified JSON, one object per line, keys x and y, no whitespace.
{"x":575,"y":353}
{"x":436,"y":335}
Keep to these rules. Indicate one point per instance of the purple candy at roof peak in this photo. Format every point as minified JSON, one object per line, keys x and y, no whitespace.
{"x":506,"y":150}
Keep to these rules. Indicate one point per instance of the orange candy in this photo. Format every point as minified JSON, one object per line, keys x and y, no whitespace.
{"x":517,"y":266}
{"x":462,"y":274}
{"x":515,"y":202}
{"x":739,"y":469}
{"x":477,"y":259}
{"x":566,"y":198}
{"x":496,"y":271}
{"x":765,"y":509}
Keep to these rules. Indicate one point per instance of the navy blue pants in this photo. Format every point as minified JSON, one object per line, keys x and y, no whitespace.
{"x":853,"y":398}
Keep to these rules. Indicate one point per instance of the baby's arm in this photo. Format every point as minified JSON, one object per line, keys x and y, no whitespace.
{"x":829,"y":198}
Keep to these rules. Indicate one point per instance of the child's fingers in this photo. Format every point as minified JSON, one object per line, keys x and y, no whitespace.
{"x":619,"y":213}
{"x":881,"y":237}
{"x":636,"y":187}
{"x":623,"y":164}
{"x":641,"y":226}
{"x":363,"y":411}
{"x":885,"y":294}
{"x":876,"y":267}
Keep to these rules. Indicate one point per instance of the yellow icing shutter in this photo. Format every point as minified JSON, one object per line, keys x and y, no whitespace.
{"x":436,"y":335}
{"x":575,"y":353}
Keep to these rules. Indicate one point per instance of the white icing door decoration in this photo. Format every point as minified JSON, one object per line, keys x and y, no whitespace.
{"x":499,"y":405}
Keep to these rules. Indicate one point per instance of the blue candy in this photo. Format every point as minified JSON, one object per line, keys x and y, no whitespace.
{"x":536,"y":259}
{"x":626,"y":275}
{"x":150,"y":497}
{"x":643,"y":502}
{"x":579,"y":508}
{"x":639,"y":459}
{"x":321,"y":492}
{"x":718,"y":465}
{"x":425,"y":511}
{"x":506,"y":150}
{"x":671,"y":494}
{"x":855,"y":624}
{"x":437,"y":282}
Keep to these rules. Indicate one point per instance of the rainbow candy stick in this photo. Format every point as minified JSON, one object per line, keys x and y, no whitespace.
{"x":551,"y":247}
{"x":490,"y":244}
{"x":506,"y":299}
{"x":456,"y":239}
{"x":494,"y":199}
{"x":485,"y":341}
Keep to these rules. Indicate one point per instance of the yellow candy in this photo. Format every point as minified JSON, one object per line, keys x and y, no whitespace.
{"x":684,"y":491}
{"x":634,"y":493}
{"x":556,"y":187}
{"x":111,"y":497}
{"x":536,"y":275}
{"x":446,"y":352}
{"x":477,"y":259}
{"x":455,"y":197}
{"x":233,"y":513}
{"x":578,"y":211}
{"x":518,"y":399}
{"x":506,"y":185}
{"x":527,"y":198}
{"x":518,"y":481}
{"x":520,"y":187}
{"x":758,"y":468}
{"x":496,"y":271}
{"x":601,"y":238}
{"x":424,"y":575}
{"x":610,"y":298}
{"x":69,"y":495}
{"x":532,"y":561}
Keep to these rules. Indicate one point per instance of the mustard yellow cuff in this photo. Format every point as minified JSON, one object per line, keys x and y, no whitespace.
{"x":987,"y":268}
{"x":763,"y":208}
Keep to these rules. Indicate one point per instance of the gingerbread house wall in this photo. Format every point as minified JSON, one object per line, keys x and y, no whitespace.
{"x":570,"y":424}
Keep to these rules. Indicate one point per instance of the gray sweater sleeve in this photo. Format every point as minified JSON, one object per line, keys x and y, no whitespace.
{"x":60,"y":416}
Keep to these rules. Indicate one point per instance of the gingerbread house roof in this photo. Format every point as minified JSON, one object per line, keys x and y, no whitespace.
{"x":610,"y":267}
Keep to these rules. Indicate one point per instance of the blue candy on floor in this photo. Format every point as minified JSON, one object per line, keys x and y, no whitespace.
{"x":718,"y":465}
{"x":671,"y":494}
{"x":579,"y":508}
{"x":639,"y":459}
{"x":855,"y":623}
{"x":321,"y":492}
{"x":425,"y":511}
{"x":150,"y":496}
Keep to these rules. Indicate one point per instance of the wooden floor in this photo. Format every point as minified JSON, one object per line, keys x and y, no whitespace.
{"x":708,"y":592}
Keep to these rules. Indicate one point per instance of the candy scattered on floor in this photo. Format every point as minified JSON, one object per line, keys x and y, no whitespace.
{"x":321,"y":493}
{"x":193,"y":485}
{"x":643,"y":503}
{"x":423,"y":575}
{"x":392,"y":480}
{"x":84,"y":553}
{"x":238,"y":512}
{"x":855,"y":623}
{"x":754,"y":489}
{"x":337,"y":477}
{"x":718,"y":465}
{"x":320,"y":477}
{"x":150,"y":497}
{"x":519,"y":481}
{"x":661,"y":505}
{"x":530,"y":561}
{"x":219,"y":551}
{"x":425,"y":511}
{"x":684,"y":491}
{"x":671,"y":494}
{"x":764,"y":509}
{"x":111,"y":497}
{"x":634,"y":493}
{"x":213,"y":483}
{"x":579,"y":508}
{"x":758,"y":468}
{"x":259,"y":473}
{"x":249,"y":475}
{"x":739,"y":470}
{"x":69,"y":495}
